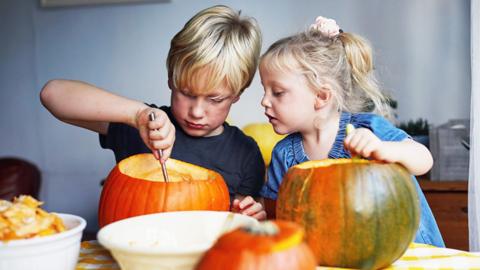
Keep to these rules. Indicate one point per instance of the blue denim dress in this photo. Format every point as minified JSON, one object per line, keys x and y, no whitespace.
{"x":289,"y":152}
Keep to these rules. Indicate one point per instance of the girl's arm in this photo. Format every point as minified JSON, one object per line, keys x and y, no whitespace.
{"x":247,"y":205}
{"x":412,"y":155}
{"x":415,"y":157}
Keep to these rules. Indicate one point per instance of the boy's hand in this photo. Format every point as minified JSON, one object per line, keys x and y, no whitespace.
{"x":248,"y":206}
{"x":363,"y":142}
{"x":158,"y":134}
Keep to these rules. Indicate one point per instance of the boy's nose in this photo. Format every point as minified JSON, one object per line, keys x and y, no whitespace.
{"x":197,"y":110}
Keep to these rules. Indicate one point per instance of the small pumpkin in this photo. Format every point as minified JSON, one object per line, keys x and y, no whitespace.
{"x":265,"y":137}
{"x":135,"y":186}
{"x":356,"y":213}
{"x":270,"y":245}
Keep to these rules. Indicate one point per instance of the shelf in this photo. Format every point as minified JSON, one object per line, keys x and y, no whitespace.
{"x":449,"y":203}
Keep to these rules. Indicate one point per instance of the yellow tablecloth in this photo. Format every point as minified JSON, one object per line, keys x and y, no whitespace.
{"x":417,"y":257}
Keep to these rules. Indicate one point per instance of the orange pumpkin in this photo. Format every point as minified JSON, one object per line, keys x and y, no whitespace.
{"x":356,"y":213}
{"x":270,"y":245}
{"x":135,"y":187}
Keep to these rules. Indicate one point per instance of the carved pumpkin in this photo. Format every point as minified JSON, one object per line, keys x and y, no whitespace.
{"x":135,"y":187}
{"x":265,"y":137}
{"x":356,"y":213}
{"x":270,"y":245}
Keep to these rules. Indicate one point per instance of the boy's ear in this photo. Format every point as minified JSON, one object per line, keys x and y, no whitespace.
{"x":235,"y":99}
{"x":170,"y":84}
{"x":323,"y":96}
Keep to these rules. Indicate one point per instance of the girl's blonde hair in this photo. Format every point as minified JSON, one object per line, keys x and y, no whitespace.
{"x":343,"y":61}
{"x":221,"y":41}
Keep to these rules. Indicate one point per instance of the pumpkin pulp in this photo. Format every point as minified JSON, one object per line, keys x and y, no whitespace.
{"x":146,"y":167}
{"x":285,"y":235}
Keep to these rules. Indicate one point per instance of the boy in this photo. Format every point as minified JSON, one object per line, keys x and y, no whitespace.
{"x":210,"y":62}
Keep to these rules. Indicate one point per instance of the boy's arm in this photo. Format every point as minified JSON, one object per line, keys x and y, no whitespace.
{"x":90,"y":107}
{"x":87,"y":106}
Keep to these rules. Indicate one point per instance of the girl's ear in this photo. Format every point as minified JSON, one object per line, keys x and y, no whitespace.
{"x":323,"y":97}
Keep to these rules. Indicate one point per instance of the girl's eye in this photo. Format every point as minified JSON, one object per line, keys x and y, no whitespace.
{"x":278,"y":93}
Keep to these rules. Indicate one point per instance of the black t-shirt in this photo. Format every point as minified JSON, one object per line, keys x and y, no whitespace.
{"x":233,"y":154}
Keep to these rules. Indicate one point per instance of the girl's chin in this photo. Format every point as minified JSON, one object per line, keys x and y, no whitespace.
{"x":280,"y":130}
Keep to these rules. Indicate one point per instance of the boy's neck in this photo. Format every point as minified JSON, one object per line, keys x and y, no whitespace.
{"x":216,"y":132}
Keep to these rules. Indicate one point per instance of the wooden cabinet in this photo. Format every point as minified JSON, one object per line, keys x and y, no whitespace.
{"x":448,"y":201}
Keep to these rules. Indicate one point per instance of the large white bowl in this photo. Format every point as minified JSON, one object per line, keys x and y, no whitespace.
{"x":54,"y":252}
{"x":170,"y":240}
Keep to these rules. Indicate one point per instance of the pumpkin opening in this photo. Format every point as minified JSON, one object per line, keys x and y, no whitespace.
{"x":328,"y":162}
{"x":283,"y":235}
{"x":146,"y":167}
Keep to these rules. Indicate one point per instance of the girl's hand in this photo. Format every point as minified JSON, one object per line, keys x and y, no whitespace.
{"x":158,"y":134}
{"x":363,"y":142}
{"x":248,"y":206}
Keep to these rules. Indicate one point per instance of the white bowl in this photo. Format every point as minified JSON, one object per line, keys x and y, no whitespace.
{"x":170,"y":240}
{"x":53,"y":252}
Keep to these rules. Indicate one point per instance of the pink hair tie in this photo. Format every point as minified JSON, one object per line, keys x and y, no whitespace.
{"x":328,"y":27}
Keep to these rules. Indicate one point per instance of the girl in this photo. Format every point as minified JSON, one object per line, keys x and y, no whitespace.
{"x":317,"y":82}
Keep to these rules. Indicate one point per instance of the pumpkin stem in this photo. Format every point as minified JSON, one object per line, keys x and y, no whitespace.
{"x":263,"y":228}
{"x":349,"y":129}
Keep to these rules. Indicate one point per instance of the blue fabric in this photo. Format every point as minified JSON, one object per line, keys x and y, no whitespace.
{"x":289,"y":152}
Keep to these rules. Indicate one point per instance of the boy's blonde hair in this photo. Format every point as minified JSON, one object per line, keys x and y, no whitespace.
{"x":343,"y":61}
{"x":217,"y":40}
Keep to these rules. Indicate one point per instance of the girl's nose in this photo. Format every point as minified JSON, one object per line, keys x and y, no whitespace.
{"x":266,"y":102}
{"x":197,"y":109}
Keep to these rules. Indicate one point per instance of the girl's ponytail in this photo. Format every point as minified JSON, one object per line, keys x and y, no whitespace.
{"x":358,"y":53}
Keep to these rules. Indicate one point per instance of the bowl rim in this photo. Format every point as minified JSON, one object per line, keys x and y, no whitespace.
{"x":125,"y":247}
{"x":49,"y":238}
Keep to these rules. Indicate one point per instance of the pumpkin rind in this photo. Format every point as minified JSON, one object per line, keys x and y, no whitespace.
{"x":191,"y":187}
{"x":244,"y":249}
{"x":356,"y":213}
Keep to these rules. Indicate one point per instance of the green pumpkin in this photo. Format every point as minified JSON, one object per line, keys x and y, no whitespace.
{"x":356,"y":213}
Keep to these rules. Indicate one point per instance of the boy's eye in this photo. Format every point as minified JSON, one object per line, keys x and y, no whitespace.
{"x":217,"y":100}
{"x":186,"y":94}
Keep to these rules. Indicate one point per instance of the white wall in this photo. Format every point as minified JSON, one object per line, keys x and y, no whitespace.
{"x":422,"y":54}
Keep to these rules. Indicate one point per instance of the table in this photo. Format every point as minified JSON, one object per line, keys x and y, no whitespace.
{"x":417,"y":257}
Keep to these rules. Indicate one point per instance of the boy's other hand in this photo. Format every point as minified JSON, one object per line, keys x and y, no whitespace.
{"x":248,"y":206}
{"x":158,"y":134}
